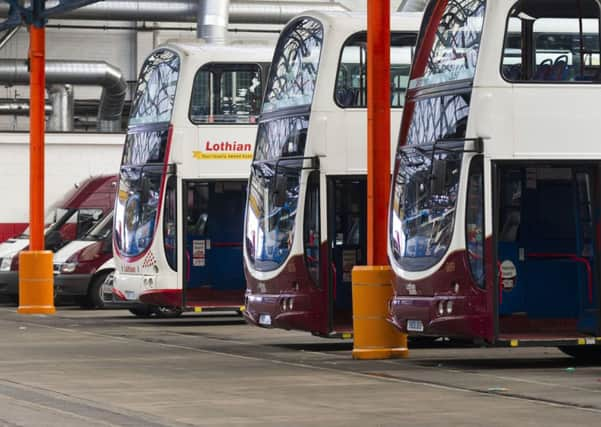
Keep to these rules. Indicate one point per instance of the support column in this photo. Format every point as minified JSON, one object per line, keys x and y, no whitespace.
{"x":375,"y":338}
{"x":36,"y":281}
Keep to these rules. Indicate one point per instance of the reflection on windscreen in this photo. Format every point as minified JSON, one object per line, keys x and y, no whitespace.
{"x":155,"y":93}
{"x":437,"y":118}
{"x":454,"y":52}
{"x":274,"y":190}
{"x":423,"y":205}
{"x":136,"y":208}
{"x":295,"y":66}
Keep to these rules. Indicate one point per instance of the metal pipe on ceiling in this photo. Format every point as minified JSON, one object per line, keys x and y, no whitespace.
{"x":62,"y":117}
{"x":212,"y":20}
{"x":240,"y":11}
{"x":88,"y":73}
{"x":18,"y":108}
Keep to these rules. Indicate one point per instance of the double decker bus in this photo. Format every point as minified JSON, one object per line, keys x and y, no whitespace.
{"x":306,"y":213}
{"x":495,"y":215}
{"x":179,"y":212}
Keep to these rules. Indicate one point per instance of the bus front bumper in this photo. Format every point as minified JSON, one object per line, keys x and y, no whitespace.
{"x":275,"y":311}
{"x":439,"y":316}
{"x":9,"y":283}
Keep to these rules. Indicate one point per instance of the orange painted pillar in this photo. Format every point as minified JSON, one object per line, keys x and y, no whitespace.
{"x":374,"y":337}
{"x":36,"y":280}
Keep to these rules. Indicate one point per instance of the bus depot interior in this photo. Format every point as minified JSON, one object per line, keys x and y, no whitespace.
{"x":211,"y":262}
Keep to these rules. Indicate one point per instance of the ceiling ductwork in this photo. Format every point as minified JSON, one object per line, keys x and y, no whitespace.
{"x":87,"y":73}
{"x":18,"y":108}
{"x":413,"y":5}
{"x":212,"y":20}
{"x":240,"y":11}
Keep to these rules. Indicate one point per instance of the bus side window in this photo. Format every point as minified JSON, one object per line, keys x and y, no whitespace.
{"x":511,"y":204}
{"x":170,"y":223}
{"x":351,"y":81}
{"x":226,"y":93}
{"x":474,"y":223}
{"x":543,"y":44}
{"x":312,"y":231}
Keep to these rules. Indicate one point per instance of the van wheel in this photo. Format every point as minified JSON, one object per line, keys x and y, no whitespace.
{"x":164,"y":312}
{"x":589,"y":353}
{"x":141,"y":311}
{"x":95,"y":299}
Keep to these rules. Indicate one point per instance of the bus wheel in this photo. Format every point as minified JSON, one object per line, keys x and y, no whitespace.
{"x":95,"y":297}
{"x":591,"y":353}
{"x":164,"y":312}
{"x":142,"y":311}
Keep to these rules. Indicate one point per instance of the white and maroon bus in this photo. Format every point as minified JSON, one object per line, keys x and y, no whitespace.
{"x":306,"y":212}
{"x":179,"y":212}
{"x":495,"y":213}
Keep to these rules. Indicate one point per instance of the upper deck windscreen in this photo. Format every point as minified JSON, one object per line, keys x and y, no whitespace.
{"x":295,"y":65}
{"x":450,"y":43}
{"x":155,"y":93}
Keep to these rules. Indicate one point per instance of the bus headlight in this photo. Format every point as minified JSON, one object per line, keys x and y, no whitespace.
{"x":68,"y":267}
{"x":440,"y":308}
{"x":449,"y":307}
{"x":6,"y":263}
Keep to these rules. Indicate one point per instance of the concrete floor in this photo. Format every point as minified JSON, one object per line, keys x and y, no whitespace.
{"x":107,"y":368}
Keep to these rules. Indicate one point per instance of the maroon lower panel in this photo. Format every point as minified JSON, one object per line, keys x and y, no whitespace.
{"x":452,"y":284}
{"x":292,"y":300}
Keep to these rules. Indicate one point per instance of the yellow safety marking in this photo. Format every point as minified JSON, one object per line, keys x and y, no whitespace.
{"x":581,"y":341}
{"x":242,"y":308}
{"x":347,"y":336}
{"x":514,"y":343}
{"x":197,"y":309}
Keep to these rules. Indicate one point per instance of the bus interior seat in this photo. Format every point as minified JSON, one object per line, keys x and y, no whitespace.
{"x":559,"y":71}
{"x":512,"y":72}
{"x":543,"y":69}
{"x":346,"y":97}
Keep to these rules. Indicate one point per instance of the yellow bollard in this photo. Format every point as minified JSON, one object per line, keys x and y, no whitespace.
{"x":36,"y":283}
{"x":374,"y":337}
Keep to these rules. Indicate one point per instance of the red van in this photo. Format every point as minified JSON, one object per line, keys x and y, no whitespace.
{"x":70,"y":220}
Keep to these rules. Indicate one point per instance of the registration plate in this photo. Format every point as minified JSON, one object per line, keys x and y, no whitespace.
{"x":265,"y":320}
{"x":415,"y":326}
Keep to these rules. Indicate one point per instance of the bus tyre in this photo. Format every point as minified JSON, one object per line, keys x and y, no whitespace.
{"x":141,"y":310}
{"x":164,"y":312}
{"x":586,"y":353}
{"x":95,"y":299}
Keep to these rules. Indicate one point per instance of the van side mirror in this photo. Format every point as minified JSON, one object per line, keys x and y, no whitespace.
{"x":53,"y":240}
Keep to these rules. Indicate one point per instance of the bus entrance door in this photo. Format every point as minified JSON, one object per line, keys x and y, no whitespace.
{"x":347,"y":234}
{"x":214,"y":217}
{"x":548,"y":251}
